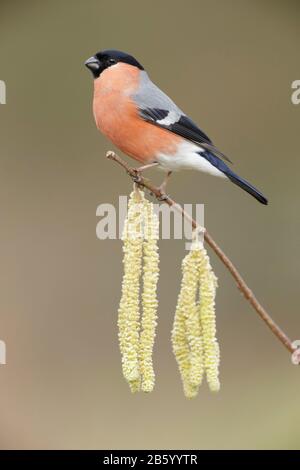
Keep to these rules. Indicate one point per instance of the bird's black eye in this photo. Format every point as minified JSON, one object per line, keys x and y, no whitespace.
{"x":111,"y":61}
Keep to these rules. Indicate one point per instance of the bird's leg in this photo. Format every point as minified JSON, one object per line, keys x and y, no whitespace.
{"x":163,"y":185}
{"x":146,"y":167}
{"x":140,"y":169}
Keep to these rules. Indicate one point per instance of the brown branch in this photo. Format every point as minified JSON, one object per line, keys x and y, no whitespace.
{"x":248,"y":294}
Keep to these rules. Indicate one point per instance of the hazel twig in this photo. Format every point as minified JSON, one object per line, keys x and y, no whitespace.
{"x":241,"y":284}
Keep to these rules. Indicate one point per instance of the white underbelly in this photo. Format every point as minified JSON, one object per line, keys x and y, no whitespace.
{"x":187,"y":158}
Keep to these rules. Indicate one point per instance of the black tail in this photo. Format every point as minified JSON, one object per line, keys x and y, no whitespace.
{"x":247,"y":187}
{"x":218,"y":163}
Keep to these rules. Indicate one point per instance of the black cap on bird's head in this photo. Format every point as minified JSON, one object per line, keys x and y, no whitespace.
{"x":102,"y":60}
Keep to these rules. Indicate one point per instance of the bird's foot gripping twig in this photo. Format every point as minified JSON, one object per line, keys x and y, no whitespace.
{"x":137,"y":177}
{"x":139,"y":170}
{"x":163,"y":196}
{"x":241,"y":284}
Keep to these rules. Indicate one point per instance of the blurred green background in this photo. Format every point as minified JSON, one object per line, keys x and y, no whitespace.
{"x":229,"y":64}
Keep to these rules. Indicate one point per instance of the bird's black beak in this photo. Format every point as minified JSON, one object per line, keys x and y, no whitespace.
{"x":93,"y":64}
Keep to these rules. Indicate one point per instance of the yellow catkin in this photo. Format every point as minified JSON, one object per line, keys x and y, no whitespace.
{"x":208,"y":285}
{"x":149,"y":296}
{"x":193,"y":328}
{"x":182,"y":353}
{"x":186,"y":333}
{"x":128,"y":318}
{"x":194,"y":331}
{"x":140,"y":256}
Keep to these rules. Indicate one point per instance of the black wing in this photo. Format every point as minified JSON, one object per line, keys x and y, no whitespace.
{"x":183,"y":126}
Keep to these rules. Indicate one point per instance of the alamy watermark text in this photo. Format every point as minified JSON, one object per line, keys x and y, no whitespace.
{"x":2,"y":352}
{"x":172,"y":224}
{"x":2,"y":92}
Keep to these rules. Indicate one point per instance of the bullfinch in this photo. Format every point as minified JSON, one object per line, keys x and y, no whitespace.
{"x":144,"y":123}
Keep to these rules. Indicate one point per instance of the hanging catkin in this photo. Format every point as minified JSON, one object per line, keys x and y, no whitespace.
{"x":194,"y":330}
{"x":149,"y":296}
{"x":136,"y":332}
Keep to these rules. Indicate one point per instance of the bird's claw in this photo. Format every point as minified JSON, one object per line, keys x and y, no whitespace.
{"x":137,"y":177}
{"x":163,"y":197}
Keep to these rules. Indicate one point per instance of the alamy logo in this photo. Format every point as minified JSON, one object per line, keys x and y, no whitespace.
{"x":2,"y":352}
{"x":2,"y":92}
{"x":172,"y":224}
{"x":296,"y":354}
{"x":296,"y":94}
